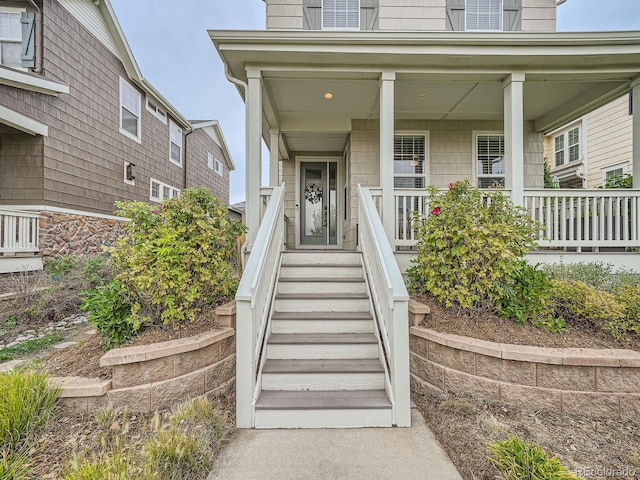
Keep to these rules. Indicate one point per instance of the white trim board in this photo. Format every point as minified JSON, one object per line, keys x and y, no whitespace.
{"x":22,"y":122}
{"x":48,"y":208}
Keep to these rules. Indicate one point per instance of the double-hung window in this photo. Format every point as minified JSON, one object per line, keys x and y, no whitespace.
{"x":340,"y":14}
{"x":566,"y":147}
{"x":483,"y":15}
{"x":10,"y":39}
{"x":130,"y":110}
{"x":409,"y":161}
{"x":218,"y":167}
{"x":489,"y":157}
{"x":175,"y":143}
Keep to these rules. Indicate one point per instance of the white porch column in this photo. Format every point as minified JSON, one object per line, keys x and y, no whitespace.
{"x":636,"y":131}
{"x":274,"y":158}
{"x":387,"y":131}
{"x":253,"y":154}
{"x":514,"y":135}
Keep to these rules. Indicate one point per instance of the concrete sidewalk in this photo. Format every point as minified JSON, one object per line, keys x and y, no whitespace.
{"x":327,"y":454}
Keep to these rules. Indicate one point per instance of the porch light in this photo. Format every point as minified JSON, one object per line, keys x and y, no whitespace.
{"x":328,"y":95}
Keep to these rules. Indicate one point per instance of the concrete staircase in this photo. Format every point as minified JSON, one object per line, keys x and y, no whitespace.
{"x":322,"y":366}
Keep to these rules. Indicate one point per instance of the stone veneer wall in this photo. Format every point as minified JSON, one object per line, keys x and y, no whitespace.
{"x":65,"y":233}
{"x":156,"y":376}
{"x":600,"y":383}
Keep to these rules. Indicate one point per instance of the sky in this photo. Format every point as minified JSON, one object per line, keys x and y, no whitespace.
{"x":174,"y":52}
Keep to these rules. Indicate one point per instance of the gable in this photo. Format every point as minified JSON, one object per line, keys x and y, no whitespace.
{"x":89,"y":15}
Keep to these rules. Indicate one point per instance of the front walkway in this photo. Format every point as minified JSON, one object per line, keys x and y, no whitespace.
{"x":328,"y":454}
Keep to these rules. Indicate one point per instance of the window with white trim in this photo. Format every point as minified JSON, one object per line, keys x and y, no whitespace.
{"x":409,"y":161}
{"x":613,"y":171}
{"x":340,"y":14}
{"x":10,"y":38}
{"x":566,"y":147}
{"x":483,"y":15}
{"x":160,"y":191}
{"x":489,"y":158}
{"x":130,"y":118}
{"x":217,"y":167}
{"x":175,"y":143}
{"x":210,"y":161}
{"x":156,"y":110}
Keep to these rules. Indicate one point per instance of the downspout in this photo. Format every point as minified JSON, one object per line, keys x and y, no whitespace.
{"x":39,"y":47}
{"x":185,"y":157}
{"x":234,"y":80}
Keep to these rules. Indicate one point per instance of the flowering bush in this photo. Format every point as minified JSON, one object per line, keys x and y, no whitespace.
{"x":469,"y":244}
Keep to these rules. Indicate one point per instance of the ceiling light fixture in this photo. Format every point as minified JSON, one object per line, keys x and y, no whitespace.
{"x":328,"y":95}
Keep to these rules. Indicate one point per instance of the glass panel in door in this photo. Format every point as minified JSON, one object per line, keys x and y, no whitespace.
{"x":319,"y":212}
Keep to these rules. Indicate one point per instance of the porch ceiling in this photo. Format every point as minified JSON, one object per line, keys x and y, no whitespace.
{"x":439,"y":76}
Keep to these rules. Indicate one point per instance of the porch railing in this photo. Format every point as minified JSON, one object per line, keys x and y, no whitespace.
{"x":19,"y":232}
{"x":253,"y":305}
{"x":586,"y":218}
{"x":390,"y":300}
{"x":570,"y":218}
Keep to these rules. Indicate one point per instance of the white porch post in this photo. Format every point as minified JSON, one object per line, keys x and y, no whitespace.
{"x":387,"y":131}
{"x":514,"y":136}
{"x":253,"y":160}
{"x":274,"y":158}
{"x":636,"y":131}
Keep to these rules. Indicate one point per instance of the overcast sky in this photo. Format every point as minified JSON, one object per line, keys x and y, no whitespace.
{"x":175,"y":53}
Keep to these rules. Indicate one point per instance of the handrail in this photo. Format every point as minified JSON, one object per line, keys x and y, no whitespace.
{"x":253,"y":305}
{"x":390,"y":299}
{"x":19,"y":232}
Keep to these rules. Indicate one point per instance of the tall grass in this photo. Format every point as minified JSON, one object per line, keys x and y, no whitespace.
{"x":15,"y":465}
{"x":26,"y":403}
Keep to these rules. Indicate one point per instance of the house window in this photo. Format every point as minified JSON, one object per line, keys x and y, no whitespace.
{"x":129,"y":110}
{"x":10,"y":39}
{"x":161,"y":191}
{"x":613,"y":172}
{"x":489,"y":154}
{"x":340,"y":14}
{"x":483,"y":15}
{"x":175,"y":143}
{"x":566,"y":147}
{"x":156,"y":110}
{"x":210,"y":161}
{"x":409,"y":155}
{"x":218,"y":167}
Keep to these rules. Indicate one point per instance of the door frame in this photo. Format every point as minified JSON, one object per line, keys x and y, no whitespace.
{"x":339,"y":201}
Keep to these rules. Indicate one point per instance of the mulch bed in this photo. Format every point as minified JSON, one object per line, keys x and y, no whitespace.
{"x":493,"y":328}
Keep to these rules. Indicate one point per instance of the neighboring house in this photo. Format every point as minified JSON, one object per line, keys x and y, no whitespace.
{"x":596,"y":147}
{"x":362,"y":104}
{"x":81,"y":128}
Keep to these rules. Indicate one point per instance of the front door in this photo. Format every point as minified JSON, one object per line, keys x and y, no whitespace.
{"x":319,"y":201}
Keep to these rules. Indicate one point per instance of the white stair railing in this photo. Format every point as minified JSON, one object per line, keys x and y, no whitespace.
{"x":253,"y":305}
{"x":390,"y":300}
{"x":19,"y":232}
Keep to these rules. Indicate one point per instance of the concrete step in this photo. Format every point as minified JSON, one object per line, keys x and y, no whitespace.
{"x":359,"y":374}
{"x":322,"y":346}
{"x":325,"y":322}
{"x":322,"y":302}
{"x":322,"y":285}
{"x":330,"y":271}
{"x":321,"y":257}
{"x":323,"y":409}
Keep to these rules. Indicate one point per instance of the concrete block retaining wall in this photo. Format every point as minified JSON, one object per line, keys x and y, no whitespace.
{"x":150,"y":377}
{"x":595,"y":382}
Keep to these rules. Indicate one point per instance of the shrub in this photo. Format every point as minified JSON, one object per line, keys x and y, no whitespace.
{"x":175,"y":259}
{"x":59,"y":266}
{"x":575,"y":300}
{"x":525,"y":295}
{"x":200,"y":413}
{"x":26,"y":404}
{"x":518,"y":459}
{"x":110,"y":310}
{"x":174,"y":455}
{"x":116,"y":463}
{"x":629,"y":296}
{"x":599,"y":275}
{"x":469,"y":242}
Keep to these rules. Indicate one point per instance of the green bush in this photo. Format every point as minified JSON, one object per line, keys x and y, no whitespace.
{"x":468,"y":244}
{"x":109,"y":309}
{"x":525,"y":295}
{"x":26,"y":404}
{"x":599,"y":275}
{"x":629,"y":296}
{"x":575,"y":300}
{"x":176,"y":258}
{"x":59,"y":266}
{"x":518,"y":459}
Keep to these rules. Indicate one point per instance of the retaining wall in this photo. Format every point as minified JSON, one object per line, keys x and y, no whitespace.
{"x":594,"y":382}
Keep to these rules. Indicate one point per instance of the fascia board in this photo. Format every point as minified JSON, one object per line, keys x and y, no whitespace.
{"x":25,"y":81}
{"x":22,"y":122}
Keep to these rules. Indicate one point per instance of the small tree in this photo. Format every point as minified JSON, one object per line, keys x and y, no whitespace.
{"x":469,"y":244}
{"x":176,"y":258}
